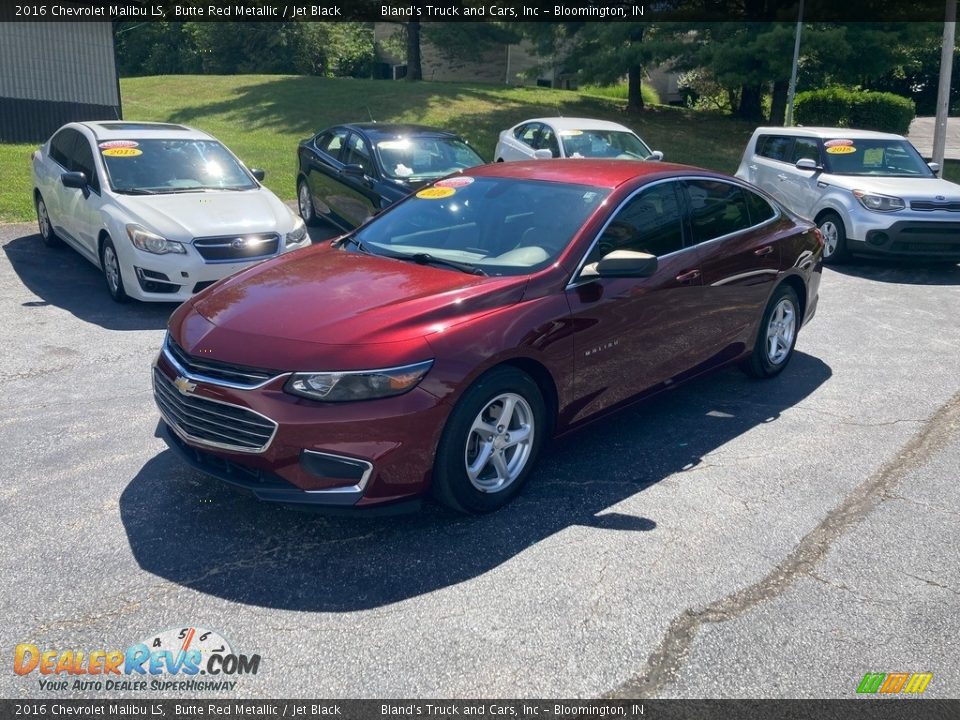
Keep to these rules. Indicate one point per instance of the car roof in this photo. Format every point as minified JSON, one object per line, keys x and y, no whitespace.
{"x":577,"y":123}
{"x":121,"y":130}
{"x":375,"y":129}
{"x":585,"y":171}
{"x":826,"y":133}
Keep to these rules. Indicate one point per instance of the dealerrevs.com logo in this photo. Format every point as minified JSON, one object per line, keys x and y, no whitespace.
{"x":189,"y":659}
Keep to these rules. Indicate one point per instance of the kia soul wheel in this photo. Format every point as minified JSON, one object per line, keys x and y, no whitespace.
{"x":490,"y":443}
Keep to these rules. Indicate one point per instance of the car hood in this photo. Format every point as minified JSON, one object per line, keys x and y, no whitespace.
{"x":332,"y":297}
{"x":184,"y":216}
{"x":907,"y":188}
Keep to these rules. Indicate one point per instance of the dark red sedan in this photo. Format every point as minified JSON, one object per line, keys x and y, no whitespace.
{"x":438,"y":347}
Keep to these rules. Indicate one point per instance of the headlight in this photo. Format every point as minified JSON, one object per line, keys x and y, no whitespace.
{"x":358,"y":384}
{"x":879,"y":203}
{"x":298,"y":233}
{"x":150,"y":242}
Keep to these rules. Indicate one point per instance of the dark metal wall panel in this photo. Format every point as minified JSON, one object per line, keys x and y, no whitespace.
{"x":29,"y":121}
{"x":52,"y":73}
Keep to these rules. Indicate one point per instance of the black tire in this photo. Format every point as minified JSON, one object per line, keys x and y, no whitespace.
{"x":110,"y":264}
{"x":835,"y":237}
{"x":763,"y":361}
{"x":452,"y":485}
{"x":47,"y":234}
{"x":305,"y":203}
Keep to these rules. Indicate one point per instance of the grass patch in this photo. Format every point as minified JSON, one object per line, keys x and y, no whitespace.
{"x":263,"y":117}
{"x":621,"y":91}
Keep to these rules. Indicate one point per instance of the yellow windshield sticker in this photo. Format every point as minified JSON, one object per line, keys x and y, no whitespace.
{"x":841,"y":149}
{"x":436,"y":193}
{"x":122,"y":152}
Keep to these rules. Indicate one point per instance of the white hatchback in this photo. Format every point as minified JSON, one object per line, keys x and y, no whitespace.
{"x":561,"y":137}
{"x":163,"y":210}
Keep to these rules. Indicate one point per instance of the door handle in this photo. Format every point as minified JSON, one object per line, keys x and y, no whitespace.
{"x":688,"y":275}
{"x":765,"y":250}
{"x":752,"y":167}
{"x":782,"y":177}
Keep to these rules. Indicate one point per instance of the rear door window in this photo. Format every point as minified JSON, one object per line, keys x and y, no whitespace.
{"x":717,"y":208}
{"x":806,"y":149}
{"x":83,"y":162}
{"x":61,"y":147}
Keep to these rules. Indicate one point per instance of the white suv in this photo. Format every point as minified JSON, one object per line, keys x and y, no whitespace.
{"x":163,"y":210}
{"x":868,"y":192}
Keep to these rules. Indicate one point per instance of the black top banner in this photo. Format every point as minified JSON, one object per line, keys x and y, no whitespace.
{"x":476,"y":10}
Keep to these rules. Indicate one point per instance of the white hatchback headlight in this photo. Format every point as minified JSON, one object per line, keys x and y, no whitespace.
{"x":879,"y":203}
{"x":147,"y":241}
{"x":357,"y":384}
{"x":298,"y":233}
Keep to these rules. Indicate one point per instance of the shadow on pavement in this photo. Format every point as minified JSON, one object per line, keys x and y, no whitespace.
{"x":902,"y":271}
{"x":193,"y":531}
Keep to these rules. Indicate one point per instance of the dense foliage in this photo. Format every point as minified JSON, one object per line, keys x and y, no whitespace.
{"x":840,"y":107}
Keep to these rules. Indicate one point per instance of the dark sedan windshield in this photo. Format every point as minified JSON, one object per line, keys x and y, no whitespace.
{"x":170,"y":166}
{"x":500,"y":226}
{"x":426,"y":157}
{"x":890,"y":158}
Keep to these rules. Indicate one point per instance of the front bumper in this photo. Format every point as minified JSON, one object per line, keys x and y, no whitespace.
{"x":908,"y":234}
{"x":364,"y":454}
{"x":175,"y":278}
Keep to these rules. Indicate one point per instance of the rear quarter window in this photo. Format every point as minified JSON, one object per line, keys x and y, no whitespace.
{"x":775,"y":147}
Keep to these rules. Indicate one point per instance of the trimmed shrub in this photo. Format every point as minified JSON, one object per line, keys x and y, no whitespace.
{"x":840,"y":107}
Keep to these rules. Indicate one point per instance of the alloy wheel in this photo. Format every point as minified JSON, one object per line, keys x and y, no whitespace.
{"x":781,"y":331}
{"x":499,"y":443}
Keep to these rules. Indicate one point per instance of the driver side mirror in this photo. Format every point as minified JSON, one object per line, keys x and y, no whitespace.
{"x":934,"y":166}
{"x":807,"y":164}
{"x":656,"y":156}
{"x":258,"y":174}
{"x":622,"y":264}
{"x":77,"y":180}
{"x":542,"y":154}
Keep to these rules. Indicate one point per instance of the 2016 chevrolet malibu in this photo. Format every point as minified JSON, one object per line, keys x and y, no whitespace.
{"x":438,"y":346}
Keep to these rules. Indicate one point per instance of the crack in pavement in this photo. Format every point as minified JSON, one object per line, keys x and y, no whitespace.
{"x":664,"y":663}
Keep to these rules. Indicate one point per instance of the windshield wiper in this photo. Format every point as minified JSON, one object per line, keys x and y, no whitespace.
{"x":350,"y":239}
{"x":135,"y":191}
{"x":428,"y":259}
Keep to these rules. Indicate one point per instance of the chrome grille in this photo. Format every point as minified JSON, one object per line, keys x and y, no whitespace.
{"x":227,"y":373}
{"x":210,"y":422}
{"x":237,"y":248}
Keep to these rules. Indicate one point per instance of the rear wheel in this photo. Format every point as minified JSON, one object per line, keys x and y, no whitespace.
{"x":834,"y":239}
{"x":49,"y":237}
{"x":305,"y":203}
{"x":777,"y":335}
{"x":111,"y":271}
{"x":490,"y":443}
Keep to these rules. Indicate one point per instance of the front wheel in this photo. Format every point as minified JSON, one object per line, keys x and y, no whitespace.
{"x":111,"y":271}
{"x":305,"y":203}
{"x":491,"y":442}
{"x":777,"y":335}
{"x":834,"y":239}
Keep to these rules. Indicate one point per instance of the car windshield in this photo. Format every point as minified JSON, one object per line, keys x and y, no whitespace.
{"x":425,"y":158}
{"x":618,"y":144}
{"x":890,"y":158}
{"x":171,"y":166}
{"x":497,"y":226}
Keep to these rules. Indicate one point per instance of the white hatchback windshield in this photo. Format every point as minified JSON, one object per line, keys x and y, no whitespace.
{"x":890,"y":158}
{"x":486,"y":225}
{"x":603,"y":144}
{"x":170,"y":166}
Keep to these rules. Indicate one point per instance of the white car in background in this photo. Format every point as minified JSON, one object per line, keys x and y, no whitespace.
{"x":561,"y":137}
{"x":162,"y":209}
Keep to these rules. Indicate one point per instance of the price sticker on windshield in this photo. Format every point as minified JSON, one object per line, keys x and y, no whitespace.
{"x":436,"y":193}
{"x":454,"y":182}
{"x":122,"y":152}
{"x":118,"y":144}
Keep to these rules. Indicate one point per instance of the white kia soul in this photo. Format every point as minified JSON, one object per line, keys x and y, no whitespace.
{"x":163,"y":210}
{"x":869,"y":193}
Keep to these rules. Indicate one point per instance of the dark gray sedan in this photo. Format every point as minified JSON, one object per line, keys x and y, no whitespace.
{"x":350,"y":172}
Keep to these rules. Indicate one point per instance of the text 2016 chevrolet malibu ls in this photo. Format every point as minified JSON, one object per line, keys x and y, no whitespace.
{"x":438,"y":346}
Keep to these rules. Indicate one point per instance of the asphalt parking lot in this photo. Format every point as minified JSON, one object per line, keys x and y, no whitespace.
{"x":732,"y":538}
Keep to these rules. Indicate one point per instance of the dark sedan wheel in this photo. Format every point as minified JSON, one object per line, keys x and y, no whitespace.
{"x":834,"y":239}
{"x":777,"y":335}
{"x":50,"y":238}
{"x":491,"y":442}
{"x":111,"y":271}
{"x":305,"y":203}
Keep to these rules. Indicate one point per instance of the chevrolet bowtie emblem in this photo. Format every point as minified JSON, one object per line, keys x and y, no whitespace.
{"x":184,"y":386}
